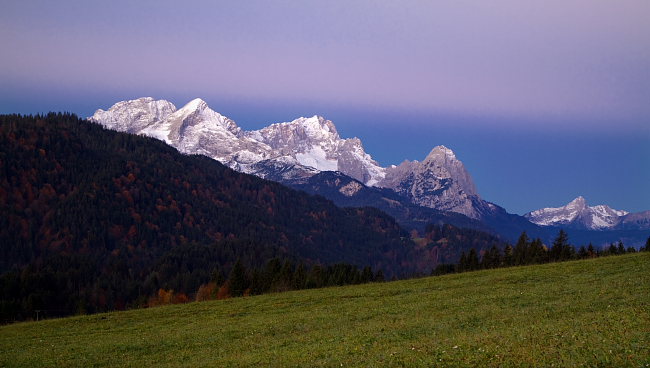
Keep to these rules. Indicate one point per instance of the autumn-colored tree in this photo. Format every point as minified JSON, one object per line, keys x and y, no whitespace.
{"x":206,"y":292}
{"x":224,"y":291}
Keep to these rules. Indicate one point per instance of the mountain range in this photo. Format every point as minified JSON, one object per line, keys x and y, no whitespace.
{"x":294,"y":150}
{"x":298,"y":153}
{"x":578,"y":214}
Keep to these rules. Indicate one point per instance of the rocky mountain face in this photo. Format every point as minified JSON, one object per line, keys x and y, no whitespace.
{"x":345,"y":191}
{"x":295,"y":150}
{"x":578,"y":214}
{"x":440,"y":181}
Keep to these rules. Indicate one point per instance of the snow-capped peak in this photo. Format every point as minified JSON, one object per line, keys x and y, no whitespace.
{"x":578,"y":202}
{"x":134,"y":115}
{"x":195,"y":104}
{"x":310,"y":130}
{"x":315,"y":142}
{"x":579,"y":214}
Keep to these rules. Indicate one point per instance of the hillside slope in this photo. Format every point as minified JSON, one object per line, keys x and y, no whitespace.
{"x":88,"y":216}
{"x":583,"y":313}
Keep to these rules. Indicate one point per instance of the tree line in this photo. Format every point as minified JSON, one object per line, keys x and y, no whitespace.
{"x":277,"y":276}
{"x":532,"y":251}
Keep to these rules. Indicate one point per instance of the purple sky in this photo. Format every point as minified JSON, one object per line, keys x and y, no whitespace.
{"x":570,"y":78}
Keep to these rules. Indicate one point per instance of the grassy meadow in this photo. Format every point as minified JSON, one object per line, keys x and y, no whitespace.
{"x":593,"y":313}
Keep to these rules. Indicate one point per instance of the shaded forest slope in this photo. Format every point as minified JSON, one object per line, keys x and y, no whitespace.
{"x":102,"y":218}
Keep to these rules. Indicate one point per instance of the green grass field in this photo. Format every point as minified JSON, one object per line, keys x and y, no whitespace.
{"x":593,"y":313}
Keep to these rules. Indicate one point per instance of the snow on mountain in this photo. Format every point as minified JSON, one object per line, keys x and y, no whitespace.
{"x":578,"y":214}
{"x":315,"y":142}
{"x":192,"y":129}
{"x":295,"y":151}
{"x":134,"y":115}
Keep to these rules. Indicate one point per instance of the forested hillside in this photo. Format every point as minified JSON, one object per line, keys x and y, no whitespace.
{"x":94,"y":220}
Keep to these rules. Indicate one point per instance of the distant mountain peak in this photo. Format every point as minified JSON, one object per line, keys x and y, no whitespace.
{"x":315,"y":128}
{"x":441,"y":152}
{"x":440,"y":181}
{"x":579,"y":201}
{"x":132,"y":116}
{"x":578,"y":214}
{"x":196,"y":104}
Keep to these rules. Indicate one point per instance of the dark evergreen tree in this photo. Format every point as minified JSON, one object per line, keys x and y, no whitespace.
{"x":285,"y":279}
{"x":538,"y":252}
{"x":491,"y":258}
{"x":217,"y":277}
{"x":561,"y":249}
{"x":508,"y":259}
{"x":583,"y":253}
{"x":379,"y":276}
{"x":316,"y":278}
{"x":521,"y":251}
{"x":472,"y":260}
{"x":366,"y":275}
{"x":621,"y":248}
{"x":238,"y":279}
{"x":300,"y":277}
{"x":591,"y":251}
{"x":463,"y":264}
{"x":612,"y":250}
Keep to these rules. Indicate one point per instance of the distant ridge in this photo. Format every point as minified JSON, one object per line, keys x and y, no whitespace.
{"x":295,"y":149}
{"x":578,"y":214}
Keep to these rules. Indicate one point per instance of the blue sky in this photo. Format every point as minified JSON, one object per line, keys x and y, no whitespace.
{"x":542,"y":101}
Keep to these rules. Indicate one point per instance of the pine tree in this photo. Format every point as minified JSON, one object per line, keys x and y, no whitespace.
{"x":560,"y":249}
{"x":538,"y":252}
{"x":366,"y":275}
{"x":217,"y":277}
{"x":238,"y":279}
{"x":621,"y":248}
{"x":647,"y":245}
{"x":462,"y":263}
{"x":582,"y":253}
{"x":299,"y":277}
{"x":508,"y":259}
{"x":472,"y":260}
{"x":379,"y":277}
{"x":591,"y":251}
{"x":286,"y":277}
{"x":491,"y":258}
{"x":520,"y":252}
{"x":612,"y":250}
